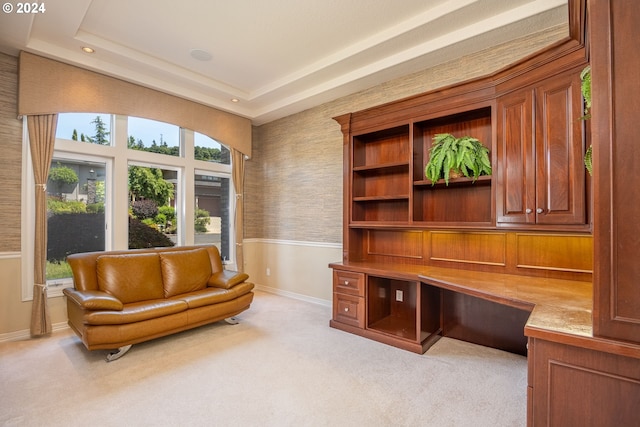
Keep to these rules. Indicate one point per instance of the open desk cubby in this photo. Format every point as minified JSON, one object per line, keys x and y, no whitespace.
{"x":402,"y":309}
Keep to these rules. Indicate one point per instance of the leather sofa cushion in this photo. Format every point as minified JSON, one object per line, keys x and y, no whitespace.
{"x":130,"y":277}
{"x":227,"y":279}
{"x":135,"y":312}
{"x":204,"y":297}
{"x":185,"y":271}
{"x":94,"y":300}
{"x":212,"y":295}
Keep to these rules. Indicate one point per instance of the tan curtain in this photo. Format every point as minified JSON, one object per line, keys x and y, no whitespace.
{"x":238,"y":186}
{"x":42,"y":137}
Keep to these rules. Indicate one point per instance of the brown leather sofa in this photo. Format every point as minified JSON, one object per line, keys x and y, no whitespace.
{"x":121,"y":298}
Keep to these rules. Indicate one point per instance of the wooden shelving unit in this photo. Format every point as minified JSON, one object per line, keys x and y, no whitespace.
{"x":470,"y":260}
{"x":394,"y":216}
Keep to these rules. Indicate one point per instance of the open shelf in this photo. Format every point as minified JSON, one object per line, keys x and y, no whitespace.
{"x":383,"y":147}
{"x":383,"y":167}
{"x":381,"y":208}
{"x":388,"y":314}
{"x":403,"y":309}
{"x":381,"y":198}
{"x":455,"y":182}
{"x":459,"y":202}
{"x":390,"y":181}
{"x":381,"y":176}
{"x":463,"y":201}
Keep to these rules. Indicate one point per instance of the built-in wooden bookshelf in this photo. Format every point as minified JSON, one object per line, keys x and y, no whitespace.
{"x":484,"y":261}
{"x":463,"y":202}
{"x":529,"y":217}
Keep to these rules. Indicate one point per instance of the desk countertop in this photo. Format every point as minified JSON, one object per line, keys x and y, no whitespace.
{"x":561,"y":310}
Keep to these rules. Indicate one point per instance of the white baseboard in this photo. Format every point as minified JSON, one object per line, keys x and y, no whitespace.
{"x":26,"y":333}
{"x":294,"y":295}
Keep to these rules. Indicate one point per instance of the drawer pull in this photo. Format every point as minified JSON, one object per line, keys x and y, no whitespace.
{"x":346,"y":309}
{"x":346,"y":283}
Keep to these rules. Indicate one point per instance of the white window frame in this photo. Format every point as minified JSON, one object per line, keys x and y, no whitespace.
{"x":117,"y":158}
{"x":54,"y":287}
{"x":231,"y":262}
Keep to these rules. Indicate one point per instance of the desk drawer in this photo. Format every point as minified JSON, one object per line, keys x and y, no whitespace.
{"x":348,"y":309}
{"x":347,"y":282}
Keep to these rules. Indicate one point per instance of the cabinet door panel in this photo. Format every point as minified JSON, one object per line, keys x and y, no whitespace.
{"x":608,"y":385}
{"x":560,"y":174}
{"x":516,"y":173}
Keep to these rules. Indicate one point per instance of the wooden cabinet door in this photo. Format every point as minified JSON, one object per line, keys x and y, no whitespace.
{"x":574,"y":386}
{"x":515,"y":190}
{"x":560,"y":172}
{"x":541,"y":176}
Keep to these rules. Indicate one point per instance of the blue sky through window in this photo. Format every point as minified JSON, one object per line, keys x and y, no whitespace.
{"x":144,"y":129}
{"x":81,"y":122}
{"x":151,"y":130}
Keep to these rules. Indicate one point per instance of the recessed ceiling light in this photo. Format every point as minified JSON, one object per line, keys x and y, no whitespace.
{"x":235,"y":100}
{"x":87,"y":49}
{"x":201,"y":55}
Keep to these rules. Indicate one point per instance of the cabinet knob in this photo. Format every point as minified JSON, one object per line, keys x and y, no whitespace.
{"x":346,"y":283}
{"x":346,"y":309}
{"x":528,"y":211}
{"x":539,"y":210}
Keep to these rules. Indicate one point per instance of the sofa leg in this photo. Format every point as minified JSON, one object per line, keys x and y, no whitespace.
{"x":231,"y":320}
{"x":118,"y":354}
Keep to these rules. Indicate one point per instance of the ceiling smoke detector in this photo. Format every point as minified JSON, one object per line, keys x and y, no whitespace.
{"x":201,"y":55}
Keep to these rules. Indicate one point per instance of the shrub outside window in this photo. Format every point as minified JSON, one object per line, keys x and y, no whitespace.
{"x":76,"y":192}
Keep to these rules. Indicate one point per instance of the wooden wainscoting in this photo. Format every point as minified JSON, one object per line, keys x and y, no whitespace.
{"x":561,"y":256}
{"x":468,"y":247}
{"x":568,"y":253}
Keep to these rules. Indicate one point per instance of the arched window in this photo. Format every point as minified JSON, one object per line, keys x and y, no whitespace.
{"x":119,"y":182}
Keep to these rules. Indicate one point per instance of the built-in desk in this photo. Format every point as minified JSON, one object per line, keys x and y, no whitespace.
{"x":548,"y":320}
{"x":417,"y":304}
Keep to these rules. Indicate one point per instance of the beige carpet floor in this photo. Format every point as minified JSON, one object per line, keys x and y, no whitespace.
{"x":281,"y":366}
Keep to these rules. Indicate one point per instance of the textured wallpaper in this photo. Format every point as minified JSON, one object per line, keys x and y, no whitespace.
{"x":11,"y":157}
{"x":293,"y":182}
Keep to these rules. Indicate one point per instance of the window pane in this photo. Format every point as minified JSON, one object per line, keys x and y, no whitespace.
{"x":75,"y":212}
{"x":210,"y":150}
{"x":85,"y":127}
{"x":212,"y":212}
{"x":154,"y":136}
{"x":152,"y":207}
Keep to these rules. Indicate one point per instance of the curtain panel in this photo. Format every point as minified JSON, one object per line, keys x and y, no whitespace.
{"x":238,"y":186}
{"x":42,"y":137}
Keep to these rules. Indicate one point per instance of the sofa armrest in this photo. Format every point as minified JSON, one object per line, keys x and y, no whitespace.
{"x":226,"y":279}
{"x":93,"y":300}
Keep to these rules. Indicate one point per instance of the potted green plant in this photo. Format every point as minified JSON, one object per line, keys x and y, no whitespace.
{"x":450,"y":156}
{"x":585,"y":87}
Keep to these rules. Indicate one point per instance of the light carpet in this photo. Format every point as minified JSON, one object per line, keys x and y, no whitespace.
{"x":282,"y":365}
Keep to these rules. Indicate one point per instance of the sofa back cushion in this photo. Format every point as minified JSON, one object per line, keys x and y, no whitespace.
{"x":185,"y":271}
{"x":130,"y":277}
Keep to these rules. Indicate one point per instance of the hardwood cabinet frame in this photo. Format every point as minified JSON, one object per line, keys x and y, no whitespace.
{"x":396,"y":233}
